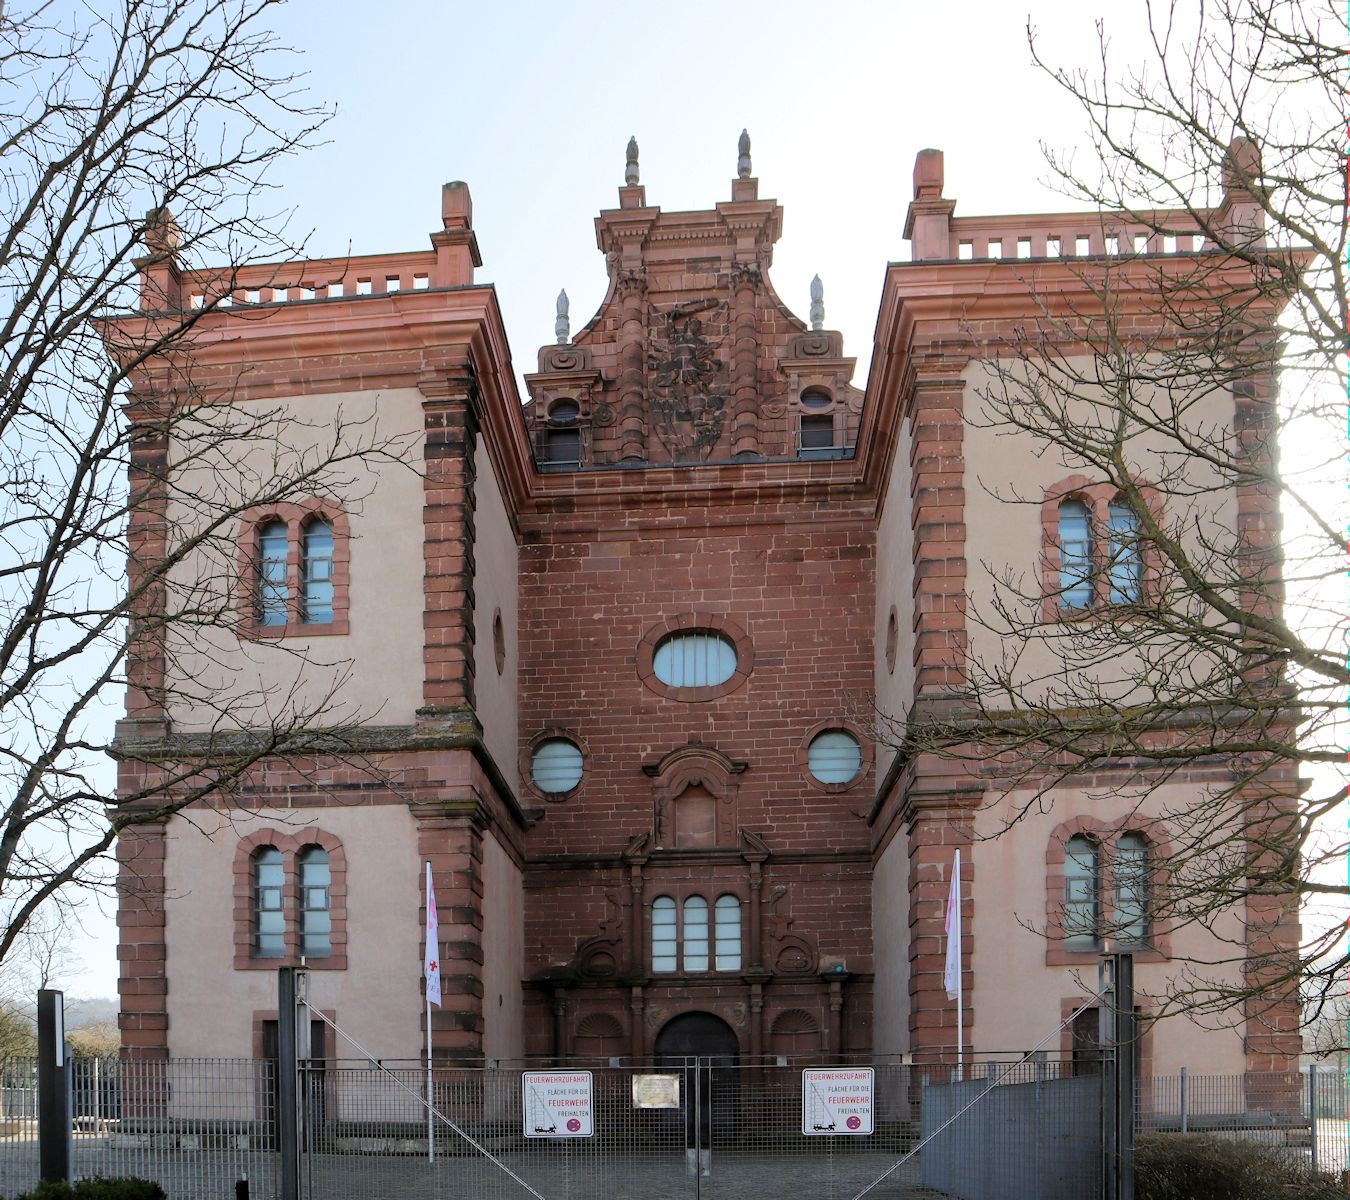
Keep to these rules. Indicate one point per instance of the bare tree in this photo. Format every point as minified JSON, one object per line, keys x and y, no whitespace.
{"x":119,"y":509}
{"x":1183,"y":654}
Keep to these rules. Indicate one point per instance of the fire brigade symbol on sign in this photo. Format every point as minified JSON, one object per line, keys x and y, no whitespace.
{"x":837,"y":1102}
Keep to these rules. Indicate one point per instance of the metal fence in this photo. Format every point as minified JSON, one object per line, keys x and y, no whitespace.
{"x":694,"y":1128}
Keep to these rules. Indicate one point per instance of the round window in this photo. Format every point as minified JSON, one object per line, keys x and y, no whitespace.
{"x":816,"y":398}
{"x":556,"y":766}
{"x":564,"y":412}
{"x":834,"y":756}
{"x":690,"y":660}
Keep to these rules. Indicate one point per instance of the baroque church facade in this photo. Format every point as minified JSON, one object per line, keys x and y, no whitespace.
{"x":610,"y":651}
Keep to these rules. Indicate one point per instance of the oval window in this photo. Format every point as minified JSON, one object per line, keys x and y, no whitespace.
{"x":834,"y":756}
{"x":556,"y":766}
{"x":690,"y":660}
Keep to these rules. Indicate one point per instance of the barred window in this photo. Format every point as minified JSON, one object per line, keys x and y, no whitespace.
{"x":694,"y":660}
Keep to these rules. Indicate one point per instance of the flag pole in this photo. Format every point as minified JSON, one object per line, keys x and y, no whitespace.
{"x":431,"y":955}
{"x":960,"y":979}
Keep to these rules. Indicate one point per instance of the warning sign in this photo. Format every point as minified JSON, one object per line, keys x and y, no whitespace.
{"x":837,"y":1102}
{"x":557,"y":1104}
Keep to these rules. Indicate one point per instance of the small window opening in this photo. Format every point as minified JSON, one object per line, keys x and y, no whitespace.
{"x":273,"y":590}
{"x":318,"y":573}
{"x":817,"y":432}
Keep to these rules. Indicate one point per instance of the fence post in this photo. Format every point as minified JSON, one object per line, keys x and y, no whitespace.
{"x":53,"y":1088}
{"x":288,"y":1131}
{"x":1127,"y":1036}
{"x":1183,"y":1100}
{"x":1312,"y":1112}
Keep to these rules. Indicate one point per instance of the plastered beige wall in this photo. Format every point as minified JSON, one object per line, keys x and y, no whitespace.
{"x":895,"y":586}
{"x":1005,"y":481}
{"x":374,"y":673}
{"x":890,"y":951}
{"x":1017,"y":996}
{"x":495,"y":586}
{"x":211,"y":1005}
{"x":503,"y":954}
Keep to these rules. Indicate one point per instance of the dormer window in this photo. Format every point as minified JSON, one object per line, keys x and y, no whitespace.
{"x":815,"y":427}
{"x":562,"y":435}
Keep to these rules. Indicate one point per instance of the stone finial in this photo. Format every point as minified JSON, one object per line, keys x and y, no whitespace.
{"x":743,"y":161}
{"x":630,"y":170}
{"x":562,"y":327}
{"x":161,"y":233}
{"x":817,"y":304}
{"x":928,"y":175}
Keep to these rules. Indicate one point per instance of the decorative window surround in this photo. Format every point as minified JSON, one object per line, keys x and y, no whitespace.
{"x":290,"y":845}
{"x":296,"y":517}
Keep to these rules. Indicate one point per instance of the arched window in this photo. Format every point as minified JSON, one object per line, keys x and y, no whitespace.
{"x":316,"y":924}
{"x":690,"y":660}
{"x":1080,"y":894}
{"x":1075,"y":555}
{"x":727,"y":933}
{"x":317,"y":573}
{"x":683,"y":938}
{"x":273,"y":589}
{"x":269,"y":916}
{"x":1132,"y":871}
{"x":1124,"y":570}
{"x":695,"y":933}
{"x":665,"y":935}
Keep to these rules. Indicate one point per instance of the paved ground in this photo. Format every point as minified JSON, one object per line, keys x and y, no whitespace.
{"x":553,"y":1172}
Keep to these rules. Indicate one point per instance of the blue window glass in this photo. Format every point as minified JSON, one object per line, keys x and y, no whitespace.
{"x":727,"y":934}
{"x":556,"y":766}
{"x":316,"y":922}
{"x":1125,"y":569}
{"x":269,"y":916}
{"x":1080,"y":894}
{"x":1132,"y":890}
{"x":273,"y":590}
{"x":695,"y":933}
{"x":1075,"y":555}
{"x":318,"y":573}
{"x":694,"y":660}
{"x":664,"y":935}
{"x":834,"y":756}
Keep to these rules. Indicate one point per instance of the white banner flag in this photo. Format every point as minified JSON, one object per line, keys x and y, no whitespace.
{"x":951,"y":972}
{"x":432,"y":964}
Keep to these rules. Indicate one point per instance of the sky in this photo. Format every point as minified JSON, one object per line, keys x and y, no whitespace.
{"x":532,"y":104}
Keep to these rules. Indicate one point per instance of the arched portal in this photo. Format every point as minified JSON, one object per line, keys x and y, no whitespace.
{"x":711,"y":1100}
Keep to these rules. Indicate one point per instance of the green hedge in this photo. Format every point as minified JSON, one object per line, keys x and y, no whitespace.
{"x":125,"y":1188}
{"x":1198,"y":1167}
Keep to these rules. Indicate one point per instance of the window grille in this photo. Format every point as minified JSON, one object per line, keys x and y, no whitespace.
{"x":834,"y":756}
{"x":694,"y":660}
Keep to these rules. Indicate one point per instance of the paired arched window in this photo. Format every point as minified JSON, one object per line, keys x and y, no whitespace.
{"x":683,"y":941}
{"x":1090,"y":550}
{"x":1095,"y":873}
{"x":291,"y":894}
{"x":294,"y":570}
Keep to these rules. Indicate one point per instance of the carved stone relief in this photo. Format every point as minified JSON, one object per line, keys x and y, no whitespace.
{"x":687,"y":381}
